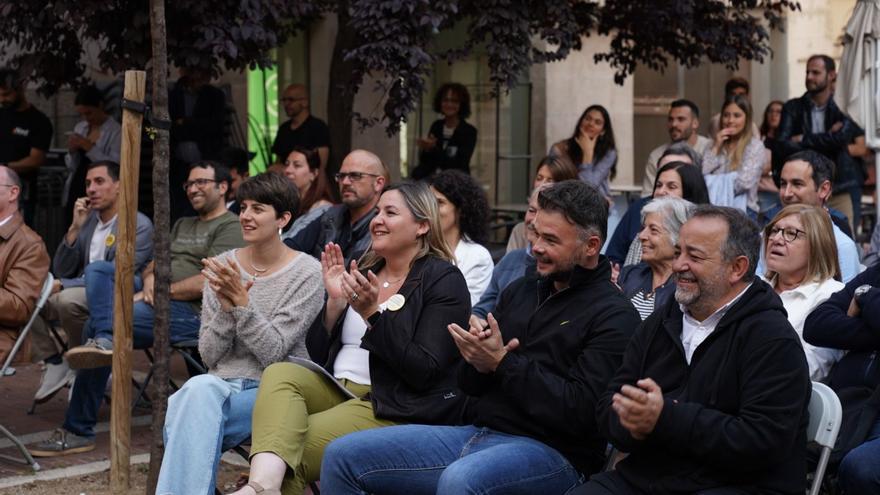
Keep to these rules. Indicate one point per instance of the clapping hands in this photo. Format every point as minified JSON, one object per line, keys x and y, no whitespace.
{"x":225,"y":280}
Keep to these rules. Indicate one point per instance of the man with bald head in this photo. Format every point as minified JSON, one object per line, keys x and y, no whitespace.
{"x":361,"y":179}
{"x":24,"y":262}
{"x":302,"y":129}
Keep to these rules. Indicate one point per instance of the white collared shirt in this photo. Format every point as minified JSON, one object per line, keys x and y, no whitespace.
{"x":6,"y":220}
{"x":98,"y":246}
{"x":694,"y":332}
{"x":799,"y":303}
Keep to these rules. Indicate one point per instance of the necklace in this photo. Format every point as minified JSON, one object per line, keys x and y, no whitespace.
{"x":257,"y":271}
{"x":387,"y":283}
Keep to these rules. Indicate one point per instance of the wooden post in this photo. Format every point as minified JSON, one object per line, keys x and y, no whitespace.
{"x":123,"y":297}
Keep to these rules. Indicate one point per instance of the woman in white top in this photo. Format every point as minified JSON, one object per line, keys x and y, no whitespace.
{"x":802,"y":267}
{"x":382,"y":337}
{"x":464,"y":218}
{"x":736,"y":149}
{"x":303,"y":169}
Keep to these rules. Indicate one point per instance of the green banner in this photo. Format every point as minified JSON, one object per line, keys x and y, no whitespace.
{"x":262,"y":107}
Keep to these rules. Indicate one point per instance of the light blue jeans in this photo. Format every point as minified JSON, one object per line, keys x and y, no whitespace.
{"x":206,"y":417}
{"x":418,"y":459}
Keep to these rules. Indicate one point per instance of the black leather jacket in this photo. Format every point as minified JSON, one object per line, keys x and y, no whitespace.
{"x":797,"y":120}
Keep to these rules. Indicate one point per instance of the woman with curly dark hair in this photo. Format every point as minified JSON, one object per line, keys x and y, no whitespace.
{"x":451,"y":140}
{"x":591,"y":148}
{"x":464,"y":219}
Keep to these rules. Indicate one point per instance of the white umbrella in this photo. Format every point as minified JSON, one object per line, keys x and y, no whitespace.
{"x":858,"y":78}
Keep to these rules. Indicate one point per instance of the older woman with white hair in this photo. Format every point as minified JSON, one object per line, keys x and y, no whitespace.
{"x":647,"y":284}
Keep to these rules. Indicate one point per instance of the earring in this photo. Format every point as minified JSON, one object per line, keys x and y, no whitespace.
{"x":279,"y":232}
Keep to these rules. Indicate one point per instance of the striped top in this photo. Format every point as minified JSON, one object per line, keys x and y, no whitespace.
{"x":644,"y":303}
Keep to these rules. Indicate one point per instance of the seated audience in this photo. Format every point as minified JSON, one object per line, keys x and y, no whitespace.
{"x":382,"y":336}
{"x":806,"y":179}
{"x":849,"y":321}
{"x":451,"y":140}
{"x":361,"y":179}
{"x":713,"y":391}
{"x":550,"y":170}
{"x":684,"y":184}
{"x":24,"y":263}
{"x":533,"y":377}
{"x":237,"y":161}
{"x":591,"y":149}
{"x":303,"y":169}
{"x":513,"y":266}
{"x":768,"y":191}
{"x":802,"y":268}
{"x":89,"y":244}
{"x":682,"y":123}
{"x":737,"y":156}
{"x":259,"y":302}
{"x":648,"y":284}
{"x":464,"y":218}
{"x":95,"y":138}
{"x":735,"y":86}
{"x":213,"y":231}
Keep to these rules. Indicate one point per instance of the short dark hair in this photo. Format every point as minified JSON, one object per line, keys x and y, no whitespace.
{"x":683,"y":102}
{"x":89,"y":96}
{"x":112,"y":168}
{"x":464,"y":98}
{"x":693,"y":185}
{"x":822,"y":166}
{"x":582,"y":204}
{"x":236,"y":159}
{"x":682,"y":148}
{"x":743,"y":235}
{"x":468,"y":196}
{"x":734,"y":83}
{"x":10,"y":79}
{"x":270,"y":189}
{"x":221,"y":172}
{"x":830,"y":66}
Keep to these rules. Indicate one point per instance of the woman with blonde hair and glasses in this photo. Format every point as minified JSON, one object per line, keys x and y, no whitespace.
{"x":802,"y":267}
{"x":381,"y":336}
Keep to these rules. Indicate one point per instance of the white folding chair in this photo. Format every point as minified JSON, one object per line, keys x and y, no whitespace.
{"x":44,"y":295}
{"x":9,"y":371}
{"x":826,"y":414}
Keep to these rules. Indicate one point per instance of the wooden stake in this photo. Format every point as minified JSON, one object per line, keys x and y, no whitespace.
{"x":123,"y":300}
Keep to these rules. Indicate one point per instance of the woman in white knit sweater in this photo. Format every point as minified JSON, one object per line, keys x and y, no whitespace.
{"x":258,"y":304}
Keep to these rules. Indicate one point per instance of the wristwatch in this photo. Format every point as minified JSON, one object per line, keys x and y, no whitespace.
{"x":860,"y":292}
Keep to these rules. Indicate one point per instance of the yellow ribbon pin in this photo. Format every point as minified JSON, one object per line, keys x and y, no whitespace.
{"x":110,"y":240}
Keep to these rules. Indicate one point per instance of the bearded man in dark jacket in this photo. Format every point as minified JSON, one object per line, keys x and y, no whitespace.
{"x":713,"y":391}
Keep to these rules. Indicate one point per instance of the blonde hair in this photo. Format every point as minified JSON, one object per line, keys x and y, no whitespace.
{"x":744,"y":137}
{"x":420,"y":201}
{"x":822,"y":262}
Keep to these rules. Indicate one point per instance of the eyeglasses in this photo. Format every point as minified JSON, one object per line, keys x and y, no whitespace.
{"x":789,"y":234}
{"x":8,"y":185}
{"x":200,"y":183}
{"x":354,"y":176}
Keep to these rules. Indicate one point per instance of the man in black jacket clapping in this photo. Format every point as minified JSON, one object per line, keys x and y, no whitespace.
{"x":531,"y":419}
{"x":712,"y":395}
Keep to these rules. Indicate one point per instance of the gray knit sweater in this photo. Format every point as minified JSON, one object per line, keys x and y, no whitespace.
{"x":281,"y":307}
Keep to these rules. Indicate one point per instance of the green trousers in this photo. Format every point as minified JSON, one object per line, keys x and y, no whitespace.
{"x":298,"y":412}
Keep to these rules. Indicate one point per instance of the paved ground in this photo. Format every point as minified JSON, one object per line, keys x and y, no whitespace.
{"x":16,"y":393}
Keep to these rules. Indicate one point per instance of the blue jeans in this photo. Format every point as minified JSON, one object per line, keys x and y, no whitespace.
{"x":859,"y":472}
{"x":100,"y":278}
{"x":415,"y":459}
{"x":206,"y":417}
{"x":88,"y":389}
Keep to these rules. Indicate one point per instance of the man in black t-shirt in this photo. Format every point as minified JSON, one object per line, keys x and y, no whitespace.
{"x":302,"y":129}
{"x":25,"y":135}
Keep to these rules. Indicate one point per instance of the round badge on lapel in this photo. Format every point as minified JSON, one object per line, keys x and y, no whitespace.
{"x":395,"y":302}
{"x":110,"y":240}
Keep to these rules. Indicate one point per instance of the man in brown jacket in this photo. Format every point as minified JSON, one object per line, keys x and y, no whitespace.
{"x":24,"y":263}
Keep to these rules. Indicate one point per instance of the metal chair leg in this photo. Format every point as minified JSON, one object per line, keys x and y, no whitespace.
{"x":28,"y":459}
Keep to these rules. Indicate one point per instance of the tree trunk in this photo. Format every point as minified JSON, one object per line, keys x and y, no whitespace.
{"x":340,"y":101}
{"x":161,"y":242}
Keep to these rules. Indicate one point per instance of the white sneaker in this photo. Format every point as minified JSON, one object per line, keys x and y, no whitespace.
{"x":54,"y":378}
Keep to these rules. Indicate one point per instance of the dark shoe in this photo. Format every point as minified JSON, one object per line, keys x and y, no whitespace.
{"x":62,"y":442}
{"x":55,"y":377}
{"x":95,"y":353}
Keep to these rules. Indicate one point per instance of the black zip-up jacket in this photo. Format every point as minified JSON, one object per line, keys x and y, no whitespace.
{"x":571,"y":342}
{"x":413,"y":359}
{"x":736,"y":416}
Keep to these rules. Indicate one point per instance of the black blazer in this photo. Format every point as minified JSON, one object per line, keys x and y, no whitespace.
{"x":413,"y":359}
{"x":453,"y":153}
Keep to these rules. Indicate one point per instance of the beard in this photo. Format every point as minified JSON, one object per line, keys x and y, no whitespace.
{"x":562,"y":270}
{"x":817,"y":87}
{"x":705,"y":293}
